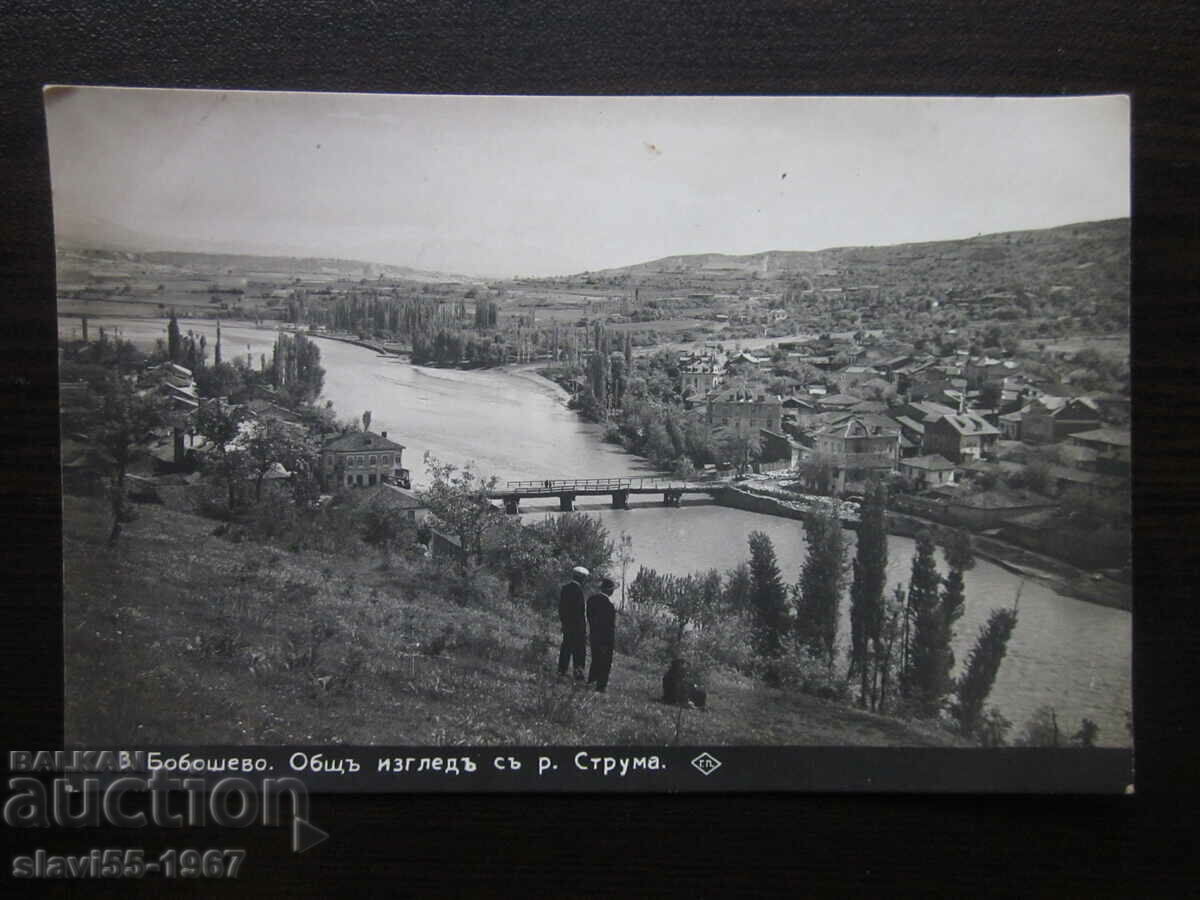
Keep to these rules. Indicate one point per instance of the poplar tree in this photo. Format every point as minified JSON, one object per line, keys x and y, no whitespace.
{"x":822,"y":578}
{"x":866,"y":589}
{"x":768,"y":596}
{"x":924,"y":676}
{"x":983,"y":663}
{"x":174,"y":339}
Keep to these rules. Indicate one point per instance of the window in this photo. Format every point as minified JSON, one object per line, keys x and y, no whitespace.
{"x":349,"y":480}
{"x":386,"y":459}
{"x":360,"y":480}
{"x":371,"y":478}
{"x":374,"y":460}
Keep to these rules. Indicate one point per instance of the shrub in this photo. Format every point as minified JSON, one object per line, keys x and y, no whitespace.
{"x":562,"y":703}
{"x":536,"y":650}
{"x":806,"y":669}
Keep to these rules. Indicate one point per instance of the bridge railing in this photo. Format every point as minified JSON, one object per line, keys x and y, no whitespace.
{"x":553,"y":485}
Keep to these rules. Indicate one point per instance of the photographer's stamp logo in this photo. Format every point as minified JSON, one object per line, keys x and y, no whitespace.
{"x":706,"y":763}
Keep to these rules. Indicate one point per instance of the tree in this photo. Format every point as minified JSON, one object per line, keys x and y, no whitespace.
{"x":816,"y":472}
{"x":866,"y":589}
{"x":768,"y":596}
{"x":960,"y":557}
{"x":174,"y":339}
{"x":925,"y":678}
{"x":520,"y":552}
{"x":125,"y":423}
{"x":577,"y":539}
{"x":737,"y":447}
{"x":1042,"y":729}
{"x":385,"y":528}
{"x":220,"y":424}
{"x":822,"y":579}
{"x":624,"y":556}
{"x":983,"y":663}
{"x":1086,"y":735}
{"x":366,"y":420}
{"x":459,"y":499}
{"x":272,"y":442}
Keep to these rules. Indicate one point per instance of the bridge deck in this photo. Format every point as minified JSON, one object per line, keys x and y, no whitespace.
{"x":553,"y":487}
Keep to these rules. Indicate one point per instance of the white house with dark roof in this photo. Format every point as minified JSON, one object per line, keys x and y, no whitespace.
{"x":929,"y":471}
{"x":362,"y":459}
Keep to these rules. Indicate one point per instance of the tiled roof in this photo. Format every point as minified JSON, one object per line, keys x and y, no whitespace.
{"x":361,"y":440}
{"x":933,"y":462}
{"x":1116,"y":436}
{"x":967,"y":424}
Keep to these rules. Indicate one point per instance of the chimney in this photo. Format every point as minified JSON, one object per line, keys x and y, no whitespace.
{"x":383,"y":434}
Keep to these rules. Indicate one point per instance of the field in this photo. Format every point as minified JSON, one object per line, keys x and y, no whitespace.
{"x":181,"y":636}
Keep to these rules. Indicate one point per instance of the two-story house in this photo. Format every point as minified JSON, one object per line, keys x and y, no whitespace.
{"x":960,"y":437}
{"x":1048,"y":419}
{"x":1109,"y":449}
{"x":856,"y":448}
{"x":362,"y":459}
{"x":745,"y":411}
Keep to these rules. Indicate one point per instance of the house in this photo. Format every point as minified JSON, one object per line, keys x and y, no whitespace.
{"x":922,"y":411}
{"x":798,"y":411}
{"x":928,"y":471}
{"x":362,"y":459}
{"x":890,"y":367}
{"x":698,"y":378}
{"x":1010,"y":425}
{"x":1049,"y":419}
{"x":856,"y":447}
{"x":981,"y":370}
{"x":1109,"y":448}
{"x":395,"y":497}
{"x":837,"y":402}
{"x":745,"y":411}
{"x":960,"y":437}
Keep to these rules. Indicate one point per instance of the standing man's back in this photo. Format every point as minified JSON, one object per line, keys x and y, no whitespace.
{"x":573,"y":653}
{"x":602,"y":626}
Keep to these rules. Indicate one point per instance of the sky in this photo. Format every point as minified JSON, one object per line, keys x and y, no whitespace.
{"x":503,"y":186}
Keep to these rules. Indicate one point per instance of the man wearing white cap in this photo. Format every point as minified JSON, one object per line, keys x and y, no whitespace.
{"x":574,"y":624}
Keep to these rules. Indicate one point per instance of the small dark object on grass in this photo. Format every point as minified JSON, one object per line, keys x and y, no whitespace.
{"x":679,"y":689}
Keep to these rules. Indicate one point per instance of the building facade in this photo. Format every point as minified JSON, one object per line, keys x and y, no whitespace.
{"x":362,"y":459}
{"x":745,"y":412}
{"x":1048,"y":420}
{"x":856,"y":449}
{"x":960,"y":437}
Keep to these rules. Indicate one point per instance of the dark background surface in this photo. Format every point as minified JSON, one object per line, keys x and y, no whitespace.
{"x":635,"y":845}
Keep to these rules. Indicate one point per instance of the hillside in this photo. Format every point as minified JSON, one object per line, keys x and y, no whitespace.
{"x":180,"y":636}
{"x":1082,"y":253}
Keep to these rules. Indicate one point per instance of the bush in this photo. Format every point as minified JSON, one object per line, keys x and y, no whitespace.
{"x":727,"y":644}
{"x":641,"y":631}
{"x":802,"y":668}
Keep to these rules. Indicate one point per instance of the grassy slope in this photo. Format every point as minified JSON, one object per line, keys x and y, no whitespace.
{"x":180,"y":636}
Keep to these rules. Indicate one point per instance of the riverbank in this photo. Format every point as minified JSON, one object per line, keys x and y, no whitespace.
{"x":1058,"y":576}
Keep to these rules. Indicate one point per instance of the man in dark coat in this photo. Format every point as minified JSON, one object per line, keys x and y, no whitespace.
{"x":574,"y":624}
{"x":602,"y":628}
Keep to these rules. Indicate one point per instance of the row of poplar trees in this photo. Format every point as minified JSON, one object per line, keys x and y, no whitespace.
{"x":900,"y":652}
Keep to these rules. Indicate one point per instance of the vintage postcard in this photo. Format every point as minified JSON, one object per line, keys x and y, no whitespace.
{"x":646,"y":422}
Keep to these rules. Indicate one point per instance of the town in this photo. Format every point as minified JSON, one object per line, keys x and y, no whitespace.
{"x":983,"y":383}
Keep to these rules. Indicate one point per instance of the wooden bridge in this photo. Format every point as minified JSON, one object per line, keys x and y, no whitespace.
{"x":566,"y":490}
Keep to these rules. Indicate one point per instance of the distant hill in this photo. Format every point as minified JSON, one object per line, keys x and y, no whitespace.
{"x":96,"y":234}
{"x":1014,"y":256}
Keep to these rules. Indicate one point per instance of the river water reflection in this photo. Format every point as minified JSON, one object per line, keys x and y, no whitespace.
{"x":1066,"y":653}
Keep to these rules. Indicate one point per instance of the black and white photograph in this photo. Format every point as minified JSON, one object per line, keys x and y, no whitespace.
{"x":466,"y":420}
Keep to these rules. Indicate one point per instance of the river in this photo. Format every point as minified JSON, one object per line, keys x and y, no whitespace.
{"x":1066,"y":653}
